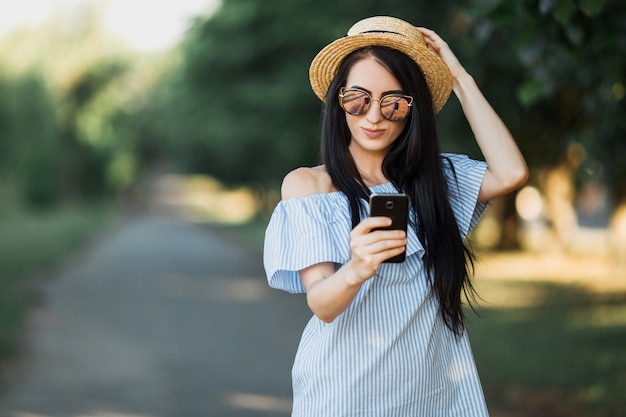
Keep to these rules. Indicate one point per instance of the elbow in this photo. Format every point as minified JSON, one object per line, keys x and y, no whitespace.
{"x":325,"y":316}
{"x":520,"y":176}
{"x":326,"y":319}
{"x":496,"y":186}
{"x":320,"y":305}
{"x":517,"y":178}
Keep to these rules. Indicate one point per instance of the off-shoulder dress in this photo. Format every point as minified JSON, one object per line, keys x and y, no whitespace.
{"x":389,"y":354}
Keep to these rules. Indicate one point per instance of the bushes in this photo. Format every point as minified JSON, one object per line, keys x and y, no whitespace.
{"x":29,"y":243}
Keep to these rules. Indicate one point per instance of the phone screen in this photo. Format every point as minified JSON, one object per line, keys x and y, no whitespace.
{"x":396,"y":207}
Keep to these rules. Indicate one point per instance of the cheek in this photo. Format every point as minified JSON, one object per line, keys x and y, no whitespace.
{"x":399,"y":128}
{"x":352,"y":124}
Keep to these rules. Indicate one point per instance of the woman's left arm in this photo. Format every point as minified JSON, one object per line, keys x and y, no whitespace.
{"x":506,"y":167}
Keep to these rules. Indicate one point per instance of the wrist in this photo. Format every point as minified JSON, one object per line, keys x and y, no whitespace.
{"x":461,"y":79}
{"x":463,"y":84}
{"x":350,"y":276}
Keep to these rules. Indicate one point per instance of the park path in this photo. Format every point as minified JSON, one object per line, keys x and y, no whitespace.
{"x":160,"y":318}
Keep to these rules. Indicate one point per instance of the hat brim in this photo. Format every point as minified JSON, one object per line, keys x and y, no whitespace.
{"x":326,"y":63}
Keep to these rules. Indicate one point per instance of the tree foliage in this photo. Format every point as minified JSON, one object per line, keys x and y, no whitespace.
{"x":565,"y":61}
{"x":553,"y":69}
{"x":246,"y":111}
{"x":67,"y":98}
{"x":33,"y":161}
{"x":234,"y":101}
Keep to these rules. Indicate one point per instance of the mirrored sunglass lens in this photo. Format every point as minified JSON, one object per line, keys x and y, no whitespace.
{"x":394,"y":107}
{"x":355,"y":103}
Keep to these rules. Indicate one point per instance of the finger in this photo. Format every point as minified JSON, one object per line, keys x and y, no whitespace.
{"x":429,"y":35}
{"x":424,"y":30}
{"x":370,"y":223}
{"x":379,"y":235}
{"x":387,"y":245}
{"x":372,"y":261}
{"x":366,"y":248}
{"x":434,"y":41}
{"x":367,"y":263}
{"x":377,"y":241}
{"x":358,"y":239}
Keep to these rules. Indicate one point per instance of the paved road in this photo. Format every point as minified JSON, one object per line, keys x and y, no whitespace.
{"x":159,"y":319}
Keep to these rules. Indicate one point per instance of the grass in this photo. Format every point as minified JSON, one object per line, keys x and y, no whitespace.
{"x":551,"y":347}
{"x":29,"y":243}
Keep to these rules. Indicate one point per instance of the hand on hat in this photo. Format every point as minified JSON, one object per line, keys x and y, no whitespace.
{"x":440,"y":46}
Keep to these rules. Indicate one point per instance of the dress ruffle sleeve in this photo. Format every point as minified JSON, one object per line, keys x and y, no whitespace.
{"x":464,"y":177}
{"x":302,"y":232}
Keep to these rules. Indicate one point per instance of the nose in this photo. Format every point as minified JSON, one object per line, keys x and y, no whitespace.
{"x":374,"y":114}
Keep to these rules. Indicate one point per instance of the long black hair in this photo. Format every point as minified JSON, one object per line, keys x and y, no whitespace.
{"x":414,"y":166}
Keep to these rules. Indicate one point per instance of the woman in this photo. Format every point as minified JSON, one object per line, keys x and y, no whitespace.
{"x":387,"y":339}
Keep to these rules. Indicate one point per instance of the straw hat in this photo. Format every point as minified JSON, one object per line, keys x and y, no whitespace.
{"x":384,"y":31}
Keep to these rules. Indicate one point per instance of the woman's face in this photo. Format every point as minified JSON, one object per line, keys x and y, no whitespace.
{"x":371,"y":132}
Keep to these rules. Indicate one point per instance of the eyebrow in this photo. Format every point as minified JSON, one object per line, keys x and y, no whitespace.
{"x":358,"y":87}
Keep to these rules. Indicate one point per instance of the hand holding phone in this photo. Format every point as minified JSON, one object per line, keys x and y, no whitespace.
{"x":395,"y":207}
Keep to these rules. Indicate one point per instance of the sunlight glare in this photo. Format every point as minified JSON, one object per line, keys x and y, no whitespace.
{"x":529,"y":203}
{"x":145,"y":25}
{"x":259,"y":402}
{"x":148,"y":25}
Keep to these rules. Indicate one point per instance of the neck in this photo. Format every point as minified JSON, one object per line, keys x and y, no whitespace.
{"x":370,"y":166}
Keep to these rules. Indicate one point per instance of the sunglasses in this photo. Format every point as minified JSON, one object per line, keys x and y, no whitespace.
{"x":357,"y":102}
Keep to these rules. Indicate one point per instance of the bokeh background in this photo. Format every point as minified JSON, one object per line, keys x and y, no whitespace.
{"x":194,"y":110}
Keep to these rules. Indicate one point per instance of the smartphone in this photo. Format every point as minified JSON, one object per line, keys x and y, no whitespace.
{"x":396,"y":207}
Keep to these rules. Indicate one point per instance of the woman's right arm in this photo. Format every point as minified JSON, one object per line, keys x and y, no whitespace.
{"x":330,"y":292}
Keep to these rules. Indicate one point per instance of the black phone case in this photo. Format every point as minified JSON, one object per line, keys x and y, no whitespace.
{"x":396,"y":207}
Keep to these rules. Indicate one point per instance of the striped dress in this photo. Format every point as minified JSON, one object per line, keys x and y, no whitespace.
{"x":389,"y":354}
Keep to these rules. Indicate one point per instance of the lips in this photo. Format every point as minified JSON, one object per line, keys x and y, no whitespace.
{"x":373,"y":133}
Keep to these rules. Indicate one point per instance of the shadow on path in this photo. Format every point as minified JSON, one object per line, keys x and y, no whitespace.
{"x":160,"y":319}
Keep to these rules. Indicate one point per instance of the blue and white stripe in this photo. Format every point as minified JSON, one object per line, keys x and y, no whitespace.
{"x":389,"y":354}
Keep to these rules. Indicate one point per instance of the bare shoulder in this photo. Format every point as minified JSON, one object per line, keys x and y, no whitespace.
{"x":302,"y":182}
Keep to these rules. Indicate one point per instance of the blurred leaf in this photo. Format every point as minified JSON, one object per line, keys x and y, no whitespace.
{"x":592,"y":8}
{"x":564,"y":10}
{"x":530,"y":92}
{"x":122,"y":170}
{"x":546,"y":6}
{"x":575,"y":34}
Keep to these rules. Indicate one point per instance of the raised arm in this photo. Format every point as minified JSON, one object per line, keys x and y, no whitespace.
{"x":506,"y":167}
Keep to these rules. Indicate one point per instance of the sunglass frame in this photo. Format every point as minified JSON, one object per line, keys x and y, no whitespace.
{"x":343,"y":90}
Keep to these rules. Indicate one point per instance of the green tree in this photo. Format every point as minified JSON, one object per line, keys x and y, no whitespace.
{"x":566,"y":62}
{"x":243,"y":108}
{"x":30,"y":153}
{"x":67,"y":113}
{"x":239,"y":106}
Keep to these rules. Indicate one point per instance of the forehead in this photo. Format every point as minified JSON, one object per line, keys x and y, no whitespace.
{"x":372,"y":75}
